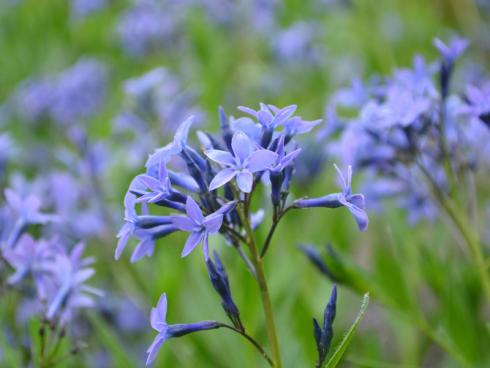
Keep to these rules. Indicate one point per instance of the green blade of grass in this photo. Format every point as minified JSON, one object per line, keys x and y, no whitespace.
{"x":342,"y":347}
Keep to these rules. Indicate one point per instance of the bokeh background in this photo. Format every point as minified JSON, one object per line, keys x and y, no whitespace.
{"x":88,"y":88}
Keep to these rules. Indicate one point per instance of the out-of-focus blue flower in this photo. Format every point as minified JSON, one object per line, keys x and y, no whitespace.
{"x":159,"y":95}
{"x":27,"y":211}
{"x":67,"y":289}
{"x":314,"y":256}
{"x":353,"y":202}
{"x":478,"y":103}
{"x":34,"y":98}
{"x":323,"y":335}
{"x":452,"y":50}
{"x":75,"y":94}
{"x":449,"y":53}
{"x":79,"y":91}
{"x":83,"y":8}
{"x":147,"y":25}
{"x":242,"y":164}
{"x":158,"y":319}
{"x":30,"y":257}
{"x":198,"y":226}
{"x":298,"y":44}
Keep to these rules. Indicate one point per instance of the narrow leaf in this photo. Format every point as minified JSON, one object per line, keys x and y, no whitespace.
{"x":342,"y":348}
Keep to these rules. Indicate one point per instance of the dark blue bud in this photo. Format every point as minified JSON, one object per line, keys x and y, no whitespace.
{"x":324,"y":334}
{"x":219,"y":279}
{"x":315,"y":258}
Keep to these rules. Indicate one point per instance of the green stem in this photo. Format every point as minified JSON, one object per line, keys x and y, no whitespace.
{"x":261,"y":280}
{"x":252,"y":341}
{"x":470,"y":238}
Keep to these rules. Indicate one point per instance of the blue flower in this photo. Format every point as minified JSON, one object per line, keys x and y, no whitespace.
{"x":29,"y":257}
{"x":173,"y":148}
{"x":244,"y":162}
{"x":158,"y":319}
{"x":66,"y":289}
{"x":353,"y":202}
{"x":198,"y":226}
{"x":270,"y":116}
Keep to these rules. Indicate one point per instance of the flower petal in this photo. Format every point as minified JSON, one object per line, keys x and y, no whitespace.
{"x":221,"y":157}
{"x":223,"y":177}
{"x":183,"y":223}
{"x":192,"y":241}
{"x":193,"y":210}
{"x":261,"y":160}
{"x":244,"y":180}
{"x":241,"y":145}
{"x":213,"y":222}
{"x":154,"y":348}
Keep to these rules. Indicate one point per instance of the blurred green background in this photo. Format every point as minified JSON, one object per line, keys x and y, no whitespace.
{"x":231,"y":64}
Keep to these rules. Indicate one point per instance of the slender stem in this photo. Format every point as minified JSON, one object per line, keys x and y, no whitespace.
{"x":469,"y":237}
{"x":275,"y":222}
{"x":261,"y":280}
{"x":252,"y":341}
{"x":445,"y":146}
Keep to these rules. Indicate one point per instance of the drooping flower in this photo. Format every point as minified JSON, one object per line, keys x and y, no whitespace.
{"x":158,"y":319}
{"x":242,"y":164}
{"x":354,"y":202}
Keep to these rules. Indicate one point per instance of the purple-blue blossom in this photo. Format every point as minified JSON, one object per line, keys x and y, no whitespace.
{"x":158,"y":319}
{"x":198,"y":225}
{"x":354,"y":202}
{"x":242,"y":164}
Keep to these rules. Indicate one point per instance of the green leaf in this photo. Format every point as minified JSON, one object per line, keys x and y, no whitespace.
{"x":342,"y":348}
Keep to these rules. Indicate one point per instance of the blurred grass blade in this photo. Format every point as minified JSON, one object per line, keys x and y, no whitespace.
{"x":342,"y":348}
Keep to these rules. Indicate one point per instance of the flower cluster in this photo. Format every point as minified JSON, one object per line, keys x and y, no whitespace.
{"x":410,"y":129}
{"x":208,"y":191}
{"x":58,"y":275}
{"x":75,"y":94}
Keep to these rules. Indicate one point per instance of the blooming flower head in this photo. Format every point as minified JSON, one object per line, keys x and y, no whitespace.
{"x":242,"y":164}
{"x":197,"y":225}
{"x":67,"y":289}
{"x":29,"y":257}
